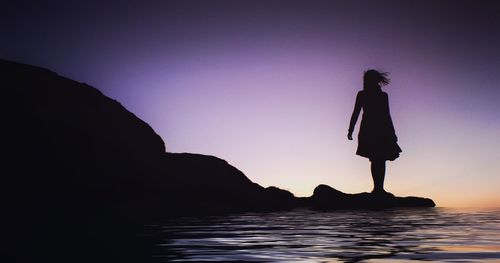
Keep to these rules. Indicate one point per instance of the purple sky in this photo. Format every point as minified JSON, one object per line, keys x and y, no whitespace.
{"x":269,"y":86}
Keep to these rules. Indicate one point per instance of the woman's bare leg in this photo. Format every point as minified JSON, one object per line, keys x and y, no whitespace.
{"x":378,"y":175}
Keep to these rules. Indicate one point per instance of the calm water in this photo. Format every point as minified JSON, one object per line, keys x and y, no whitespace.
{"x":435,"y":234}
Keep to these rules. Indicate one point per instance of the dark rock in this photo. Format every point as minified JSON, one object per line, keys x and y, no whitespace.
{"x":75,"y":167}
{"x":81,"y":174}
{"x":326,"y":197}
{"x":201,"y":184}
{"x":277,"y":198}
{"x":278,"y":193}
{"x":325,"y":192}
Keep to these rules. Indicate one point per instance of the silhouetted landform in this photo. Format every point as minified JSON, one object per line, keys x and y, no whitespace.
{"x":81,"y":176}
{"x":325,"y":197}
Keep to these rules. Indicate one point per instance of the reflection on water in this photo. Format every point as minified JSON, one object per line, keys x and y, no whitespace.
{"x":433,"y":234}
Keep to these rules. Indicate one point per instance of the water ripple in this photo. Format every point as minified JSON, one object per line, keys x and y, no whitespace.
{"x":434,"y":234}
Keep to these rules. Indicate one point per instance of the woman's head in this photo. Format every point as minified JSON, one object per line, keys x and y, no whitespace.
{"x":373,"y":79}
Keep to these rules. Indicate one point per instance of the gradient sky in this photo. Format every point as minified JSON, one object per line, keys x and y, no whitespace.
{"x":269,"y":86}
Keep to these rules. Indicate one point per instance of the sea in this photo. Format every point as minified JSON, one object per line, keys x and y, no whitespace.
{"x":303,"y":235}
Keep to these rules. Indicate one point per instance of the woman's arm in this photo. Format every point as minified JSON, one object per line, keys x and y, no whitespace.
{"x":355,"y":115}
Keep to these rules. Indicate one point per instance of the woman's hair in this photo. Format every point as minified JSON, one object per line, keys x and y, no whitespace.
{"x":374,"y":79}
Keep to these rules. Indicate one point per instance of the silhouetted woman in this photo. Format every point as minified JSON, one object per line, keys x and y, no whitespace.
{"x":377,"y":139}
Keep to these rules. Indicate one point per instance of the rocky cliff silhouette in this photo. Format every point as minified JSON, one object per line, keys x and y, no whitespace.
{"x":81,"y":175}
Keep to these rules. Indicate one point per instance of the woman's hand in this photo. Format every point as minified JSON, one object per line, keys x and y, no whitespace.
{"x":349,"y":136}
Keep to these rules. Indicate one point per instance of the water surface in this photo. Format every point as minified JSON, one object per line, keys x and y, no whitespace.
{"x":431,"y":234}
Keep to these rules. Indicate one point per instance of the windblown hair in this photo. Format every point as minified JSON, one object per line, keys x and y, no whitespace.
{"x":374,"y":79}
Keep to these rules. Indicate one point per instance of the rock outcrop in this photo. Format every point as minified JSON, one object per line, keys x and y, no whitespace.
{"x":76,"y":168}
{"x":325,"y":197}
{"x":81,"y":175}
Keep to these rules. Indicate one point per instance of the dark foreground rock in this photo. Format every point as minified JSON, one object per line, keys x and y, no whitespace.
{"x":81,"y":175}
{"x":325,"y":197}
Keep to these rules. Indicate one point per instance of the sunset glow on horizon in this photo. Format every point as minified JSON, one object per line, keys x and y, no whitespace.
{"x":269,"y":86}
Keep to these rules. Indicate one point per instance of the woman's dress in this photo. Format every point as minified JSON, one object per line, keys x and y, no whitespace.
{"x":376,"y":139}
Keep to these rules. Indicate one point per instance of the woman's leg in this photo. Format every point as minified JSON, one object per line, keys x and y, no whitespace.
{"x":378,"y":175}
{"x":374,"y":175}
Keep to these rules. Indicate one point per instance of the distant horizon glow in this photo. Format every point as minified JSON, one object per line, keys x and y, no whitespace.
{"x":270,"y":86}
